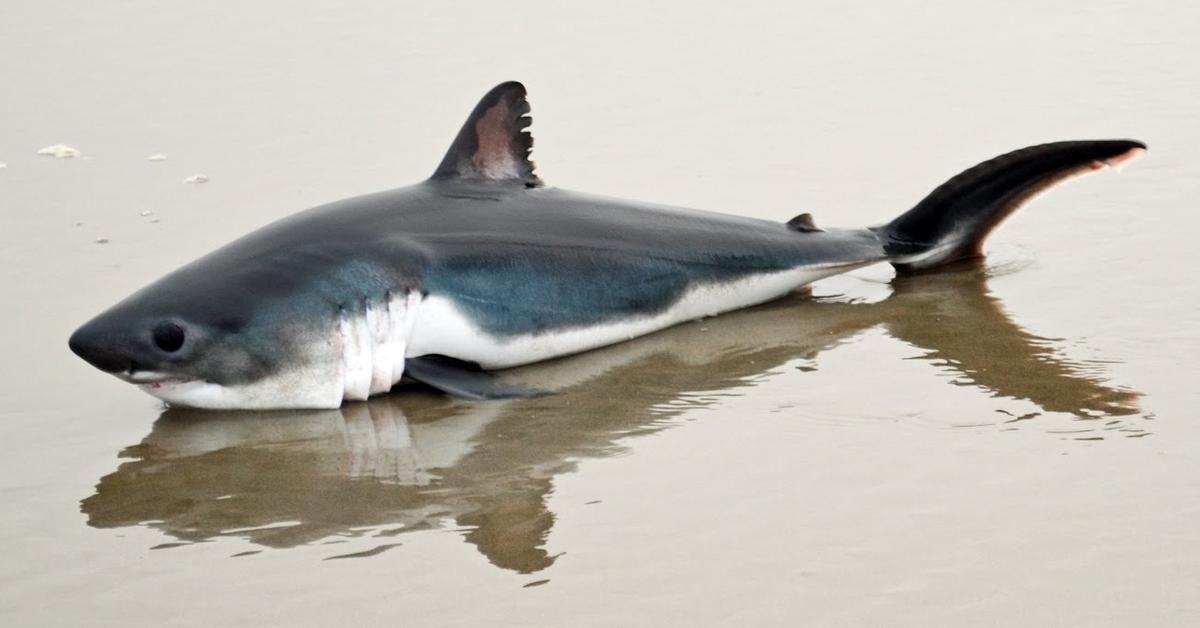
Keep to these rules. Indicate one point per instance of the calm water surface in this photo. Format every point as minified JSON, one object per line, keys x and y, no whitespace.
{"x":1013,"y":443}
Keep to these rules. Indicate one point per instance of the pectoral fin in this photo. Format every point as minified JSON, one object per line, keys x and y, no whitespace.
{"x":463,"y":380}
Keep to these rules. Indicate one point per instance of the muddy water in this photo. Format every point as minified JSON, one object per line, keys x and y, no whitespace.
{"x":1008,"y":444}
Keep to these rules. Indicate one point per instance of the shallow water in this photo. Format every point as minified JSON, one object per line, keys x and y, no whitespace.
{"x":1006,"y":444}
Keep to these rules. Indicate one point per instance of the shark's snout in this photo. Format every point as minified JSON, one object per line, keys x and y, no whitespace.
{"x":116,"y":347}
{"x":99,"y":349}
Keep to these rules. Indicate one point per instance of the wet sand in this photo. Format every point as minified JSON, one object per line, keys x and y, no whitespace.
{"x":1006,"y":443}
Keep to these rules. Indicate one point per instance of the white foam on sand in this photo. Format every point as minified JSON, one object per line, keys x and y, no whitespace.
{"x":60,"y":151}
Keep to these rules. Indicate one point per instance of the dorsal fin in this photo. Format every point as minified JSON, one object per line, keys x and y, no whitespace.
{"x":803,"y":223}
{"x":493,"y":144}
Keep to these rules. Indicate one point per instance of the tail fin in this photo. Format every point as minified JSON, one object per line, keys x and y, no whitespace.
{"x":954,"y":220}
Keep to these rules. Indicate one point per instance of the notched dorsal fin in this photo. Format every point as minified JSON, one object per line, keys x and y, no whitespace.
{"x":803,"y":223}
{"x":493,"y":144}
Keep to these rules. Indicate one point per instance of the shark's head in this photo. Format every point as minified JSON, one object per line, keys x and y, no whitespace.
{"x":160,"y":347}
{"x":222,"y":335}
{"x":198,"y":356}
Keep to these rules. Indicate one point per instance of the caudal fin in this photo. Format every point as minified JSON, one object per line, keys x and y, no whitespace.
{"x":954,"y":220}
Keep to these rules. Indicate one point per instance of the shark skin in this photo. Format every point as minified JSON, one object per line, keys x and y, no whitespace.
{"x":482,"y":267}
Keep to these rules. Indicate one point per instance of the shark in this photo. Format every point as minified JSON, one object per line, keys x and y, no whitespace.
{"x":482,"y":267}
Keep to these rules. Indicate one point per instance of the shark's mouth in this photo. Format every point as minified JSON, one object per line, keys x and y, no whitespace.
{"x":164,"y":384}
{"x":153,"y":381}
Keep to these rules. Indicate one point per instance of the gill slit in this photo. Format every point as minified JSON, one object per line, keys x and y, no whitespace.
{"x":374,"y":337}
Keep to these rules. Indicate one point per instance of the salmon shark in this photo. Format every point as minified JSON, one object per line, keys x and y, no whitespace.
{"x":482,"y":267}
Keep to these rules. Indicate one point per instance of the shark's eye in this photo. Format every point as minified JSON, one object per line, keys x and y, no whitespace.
{"x":168,"y":337}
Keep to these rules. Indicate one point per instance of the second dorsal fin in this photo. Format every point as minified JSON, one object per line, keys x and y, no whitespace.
{"x":493,"y":144}
{"x":803,"y":223}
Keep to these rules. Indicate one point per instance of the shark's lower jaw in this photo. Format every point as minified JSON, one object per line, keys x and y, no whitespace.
{"x":301,"y":389}
{"x":165,"y":387}
{"x":312,"y":380}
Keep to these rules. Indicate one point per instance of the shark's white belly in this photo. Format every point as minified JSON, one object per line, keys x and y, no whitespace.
{"x":442,"y":328}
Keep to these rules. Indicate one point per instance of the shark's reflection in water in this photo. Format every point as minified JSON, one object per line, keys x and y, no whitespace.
{"x":417,"y":461}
